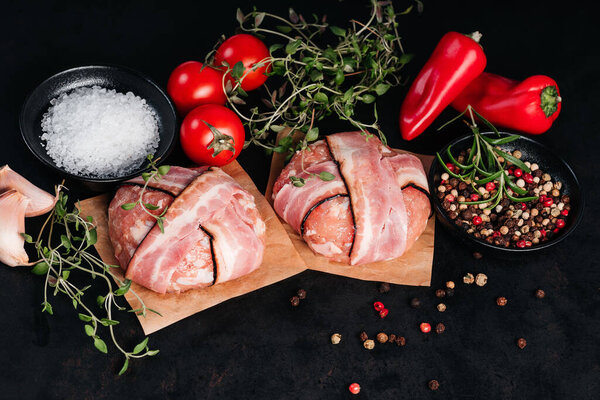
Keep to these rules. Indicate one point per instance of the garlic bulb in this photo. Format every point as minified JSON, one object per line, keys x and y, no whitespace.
{"x":12,"y":214}
{"x":41,"y":201}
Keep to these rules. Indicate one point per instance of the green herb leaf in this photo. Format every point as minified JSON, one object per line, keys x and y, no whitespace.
{"x":274,"y":47}
{"x":258,"y":19}
{"x":337,"y":31}
{"x":128,"y":206}
{"x":292,"y":47}
{"x":312,"y":134}
{"x":152,"y":352}
{"x":85,"y":318}
{"x":89,"y":330}
{"x":326,"y":176}
{"x":238,"y":70}
{"x":40,"y":268}
{"x":47,"y":308}
{"x":27,"y":237}
{"x":151,"y":207}
{"x":64,"y":240}
{"x":283,"y":28}
{"x":298,"y":182}
{"x":160,"y":224}
{"x":146,"y":176}
{"x":321,"y":97}
{"x":382,"y":88}
{"x":107,"y":322}
{"x":124,"y":288}
{"x":339,"y":77}
{"x":164,"y":169}
{"x":65,"y":275}
{"x":367,"y":98}
{"x":124,"y":367}
{"x":100,"y":301}
{"x":100,"y":345}
{"x":91,"y":237}
{"x":140,"y":346}
{"x":239,"y":16}
{"x":405,"y":58}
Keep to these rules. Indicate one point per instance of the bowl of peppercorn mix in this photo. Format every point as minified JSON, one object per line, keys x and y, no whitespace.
{"x":505,"y":194}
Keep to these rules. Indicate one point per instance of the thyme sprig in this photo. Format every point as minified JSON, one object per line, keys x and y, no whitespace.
{"x":58,"y":260}
{"x":363,"y":62}
{"x":155,"y":173}
{"x":486,"y":162}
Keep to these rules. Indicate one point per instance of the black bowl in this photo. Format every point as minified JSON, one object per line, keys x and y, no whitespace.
{"x":533,"y":152}
{"x":111,"y":77}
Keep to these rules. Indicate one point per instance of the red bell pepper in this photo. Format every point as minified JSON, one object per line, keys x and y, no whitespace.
{"x":456,"y":61}
{"x":530,"y":106}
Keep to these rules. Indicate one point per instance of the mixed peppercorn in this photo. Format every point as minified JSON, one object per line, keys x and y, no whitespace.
{"x":508,"y":224}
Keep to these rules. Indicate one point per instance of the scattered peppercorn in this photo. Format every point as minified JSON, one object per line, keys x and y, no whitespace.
{"x":369,"y":344}
{"x":301,"y":294}
{"x":521,"y":342}
{"x":295,"y":301}
{"x":384,"y":287}
{"x":440,"y":293}
{"x":433,"y":384}
{"x":450,"y":285}
{"x":363,"y":336}
{"x":382,"y":337}
{"x":468,"y":278}
{"x":425,"y":327}
{"x":481,"y":279}
{"x":501,"y":301}
{"x":415,"y":302}
{"x":354,"y":388}
{"x":400,"y":341}
{"x":540,"y":294}
{"x":441,"y":307}
{"x":477,"y":255}
{"x":336,"y":338}
{"x":440,"y":328}
{"x":449,"y":292}
{"x":392,"y":338}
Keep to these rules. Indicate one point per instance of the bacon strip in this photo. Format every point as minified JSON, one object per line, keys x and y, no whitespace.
{"x":377,"y":201}
{"x":174,"y":182}
{"x":208,"y":201}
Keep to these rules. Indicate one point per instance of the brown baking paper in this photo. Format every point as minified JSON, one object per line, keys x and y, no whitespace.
{"x":280,"y":261}
{"x":413,"y":268}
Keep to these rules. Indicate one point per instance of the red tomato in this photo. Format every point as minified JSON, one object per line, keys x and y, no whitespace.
{"x":190,"y":86}
{"x":196,"y":135}
{"x":249,"y":50}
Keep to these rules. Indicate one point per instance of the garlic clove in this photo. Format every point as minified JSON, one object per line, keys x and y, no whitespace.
{"x":41,"y":201}
{"x":12,"y":223}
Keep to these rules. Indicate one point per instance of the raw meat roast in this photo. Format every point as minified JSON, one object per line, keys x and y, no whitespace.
{"x":374,"y":209}
{"x":213,"y":231}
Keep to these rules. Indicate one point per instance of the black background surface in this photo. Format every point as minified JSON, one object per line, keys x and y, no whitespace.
{"x":257,"y":346}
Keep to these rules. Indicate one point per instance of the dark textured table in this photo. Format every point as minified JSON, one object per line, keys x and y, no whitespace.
{"x":258,"y":346}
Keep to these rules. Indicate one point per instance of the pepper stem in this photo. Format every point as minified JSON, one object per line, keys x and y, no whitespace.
{"x":549,"y":100}
{"x":476,"y":36}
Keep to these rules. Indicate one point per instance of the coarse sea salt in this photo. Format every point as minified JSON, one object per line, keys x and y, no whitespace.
{"x":97,"y":132}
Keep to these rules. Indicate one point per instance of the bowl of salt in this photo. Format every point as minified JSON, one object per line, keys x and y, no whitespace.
{"x":96,"y":125}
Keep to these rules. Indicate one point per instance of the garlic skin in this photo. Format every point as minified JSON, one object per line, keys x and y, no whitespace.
{"x":41,"y":201}
{"x":13,"y":207}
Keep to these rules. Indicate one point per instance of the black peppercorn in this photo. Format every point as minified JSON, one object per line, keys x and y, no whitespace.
{"x":400,"y":341}
{"x":415,"y":302}
{"x":540,"y":294}
{"x":501,"y":301}
{"x":521,"y":342}
{"x":301,"y":294}
{"x":449,"y":292}
{"x":363,"y":336}
{"x":440,"y":328}
{"x":384,"y":287}
{"x":440,"y":293}
{"x":477,"y":255}
{"x":392,"y":338}
{"x":433,"y":384}
{"x":295,"y":300}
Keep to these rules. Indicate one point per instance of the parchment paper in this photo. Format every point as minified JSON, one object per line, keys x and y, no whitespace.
{"x":413,"y":268}
{"x":280,"y":261}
